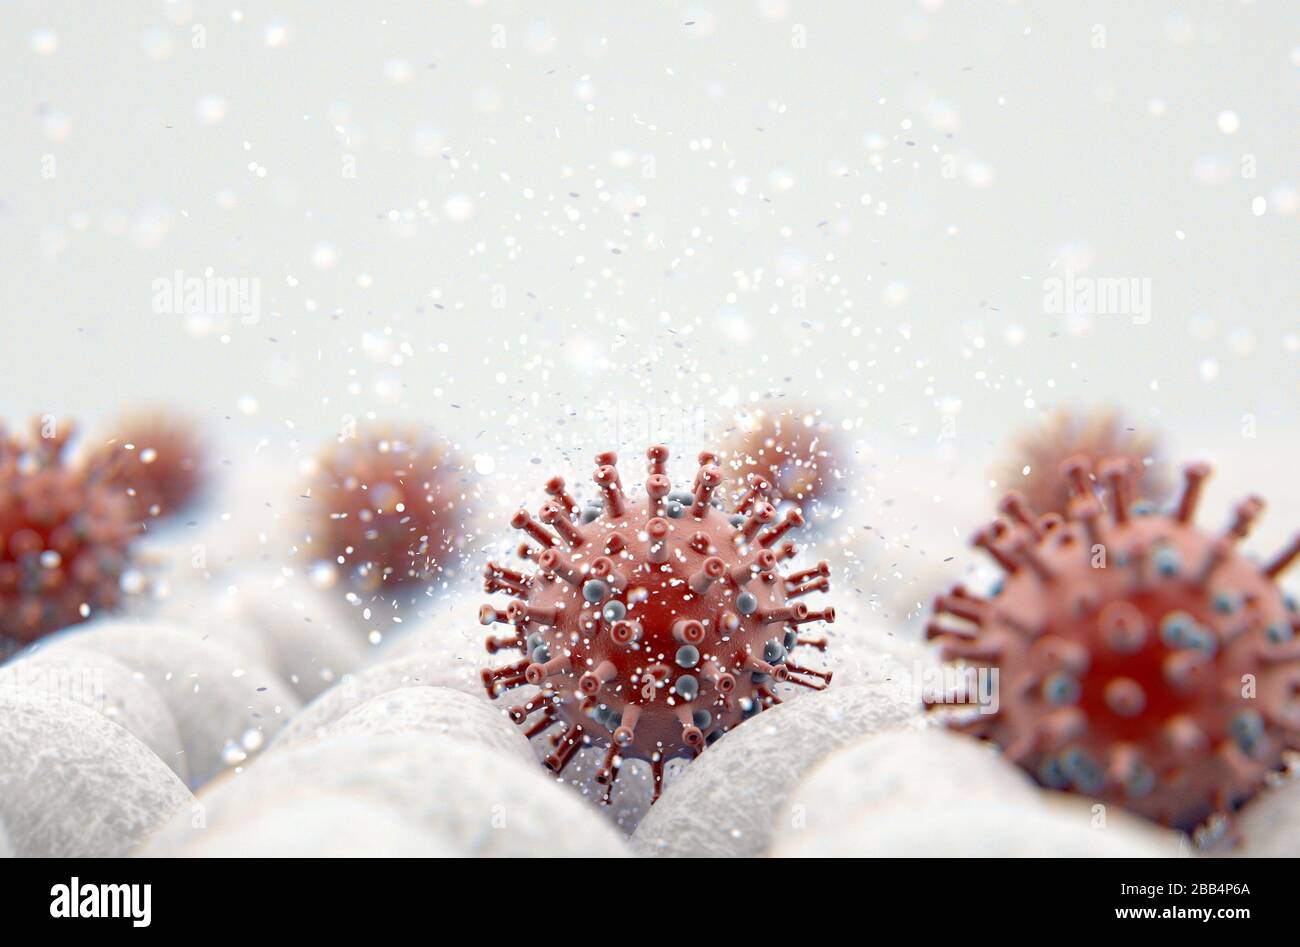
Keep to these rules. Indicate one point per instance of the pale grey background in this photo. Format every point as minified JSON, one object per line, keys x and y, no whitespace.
{"x":573,"y":223}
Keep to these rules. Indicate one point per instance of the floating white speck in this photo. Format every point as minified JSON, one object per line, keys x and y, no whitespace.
{"x":1179,"y":29}
{"x":133,"y":582}
{"x":43,"y":42}
{"x":157,"y":44}
{"x":1285,"y":200}
{"x":459,"y":207}
{"x":979,"y":174}
{"x":781,"y":180}
{"x":896,"y":294}
{"x":1229,"y":122}
{"x":210,"y":109}
{"x":1241,"y":342}
{"x":323,"y":575}
{"x":276,"y":34}
{"x":398,"y":71}
{"x":56,"y":125}
{"x":427,"y":141}
{"x":1211,"y":169}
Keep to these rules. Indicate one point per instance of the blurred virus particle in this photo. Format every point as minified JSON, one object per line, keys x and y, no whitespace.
{"x":387,"y":505}
{"x":1140,"y":659}
{"x":651,"y":626}
{"x":795,"y":452}
{"x":157,"y":459}
{"x":65,"y":537}
{"x":1095,"y":436}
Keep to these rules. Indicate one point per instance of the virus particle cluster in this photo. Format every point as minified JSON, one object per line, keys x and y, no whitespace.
{"x":1095,"y":436}
{"x":65,"y":537}
{"x":157,"y":459}
{"x":793,"y":451}
{"x":1142,"y":660}
{"x":388,"y":505}
{"x":651,"y":626}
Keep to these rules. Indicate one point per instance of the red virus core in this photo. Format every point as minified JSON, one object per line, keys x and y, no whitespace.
{"x":64,"y":537}
{"x":389,"y":505}
{"x":1141,"y":660}
{"x":157,"y":459}
{"x":651,"y":626}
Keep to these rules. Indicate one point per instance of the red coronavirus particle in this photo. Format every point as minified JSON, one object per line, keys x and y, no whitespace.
{"x":1036,"y":459}
{"x":1140,"y":659}
{"x":388,"y":505}
{"x":157,"y":459}
{"x":651,"y":626}
{"x":792,"y":450}
{"x":64,"y":537}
